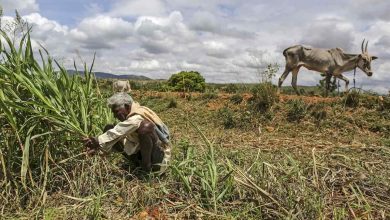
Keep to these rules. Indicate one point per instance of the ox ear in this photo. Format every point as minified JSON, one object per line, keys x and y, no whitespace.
{"x":374,"y":58}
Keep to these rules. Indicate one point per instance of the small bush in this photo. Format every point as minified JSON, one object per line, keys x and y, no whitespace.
{"x":369,"y":101}
{"x":210,"y":95}
{"x":268,"y":116}
{"x":172,"y":103}
{"x":160,"y":86}
{"x":384,"y":103}
{"x":264,"y":96}
{"x":158,"y":104}
{"x":236,"y":99}
{"x":318,"y":112}
{"x":244,"y":119}
{"x":381,"y":127}
{"x":352,"y":99}
{"x":297,"y":110}
{"x":135,"y":85}
{"x":227,"y":117}
{"x":231,"y":88}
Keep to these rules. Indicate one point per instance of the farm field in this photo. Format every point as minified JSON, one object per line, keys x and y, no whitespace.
{"x":270,"y":168}
{"x":243,"y":154}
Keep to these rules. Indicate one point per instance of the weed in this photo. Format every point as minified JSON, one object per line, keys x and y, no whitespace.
{"x":264,"y":96}
{"x":384,"y":103}
{"x":370,"y":101}
{"x":172,"y":103}
{"x":236,"y":99}
{"x":231,"y":88}
{"x":382,"y":127}
{"x":135,"y":85}
{"x":209,"y":95}
{"x":213,"y":180}
{"x":352,"y":99}
{"x":318,"y":112}
{"x":226,"y":115}
{"x":297,"y":110}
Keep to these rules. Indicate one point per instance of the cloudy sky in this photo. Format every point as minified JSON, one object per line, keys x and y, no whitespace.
{"x":225,"y":40}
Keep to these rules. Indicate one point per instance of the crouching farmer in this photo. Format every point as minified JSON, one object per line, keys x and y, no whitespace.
{"x":140,"y":135}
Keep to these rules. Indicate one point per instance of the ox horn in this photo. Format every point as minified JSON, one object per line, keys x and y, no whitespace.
{"x":363,"y":45}
{"x":365,"y":49}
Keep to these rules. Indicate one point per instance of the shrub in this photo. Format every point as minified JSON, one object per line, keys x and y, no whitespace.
{"x":318,"y":112}
{"x":210,"y":95}
{"x":227,"y":117}
{"x":187,"y":81}
{"x":297,"y":110}
{"x":236,"y":99}
{"x":245,"y":119}
{"x":268,"y":116}
{"x":382,"y":127}
{"x":384,"y":103}
{"x":160,"y":86}
{"x":264,"y":96}
{"x":158,"y":104}
{"x":231,"y":88}
{"x":370,"y":100}
{"x":136,"y":85}
{"x":352,"y":99}
{"x":172,"y":103}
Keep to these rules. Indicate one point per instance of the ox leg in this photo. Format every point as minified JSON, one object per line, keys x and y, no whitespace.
{"x":283,"y":77}
{"x":345,"y":80}
{"x":294,"y":80}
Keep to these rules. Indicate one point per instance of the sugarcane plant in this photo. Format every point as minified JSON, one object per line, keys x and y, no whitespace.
{"x":42,"y":108}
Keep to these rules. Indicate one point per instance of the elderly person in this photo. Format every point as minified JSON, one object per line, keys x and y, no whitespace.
{"x":140,"y":135}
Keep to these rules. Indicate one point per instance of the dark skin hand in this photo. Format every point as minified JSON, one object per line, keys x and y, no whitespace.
{"x":92,"y":145}
{"x":120,"y":113}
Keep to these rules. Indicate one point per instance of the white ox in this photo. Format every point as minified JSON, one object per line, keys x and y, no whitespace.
{"x":121,"y":86}
{"x":331,"y":62}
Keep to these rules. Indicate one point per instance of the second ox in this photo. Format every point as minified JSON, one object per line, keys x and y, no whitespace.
{"x":121,"y":86}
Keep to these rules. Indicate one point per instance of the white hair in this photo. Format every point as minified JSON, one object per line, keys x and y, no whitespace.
{"x":119,"y":99}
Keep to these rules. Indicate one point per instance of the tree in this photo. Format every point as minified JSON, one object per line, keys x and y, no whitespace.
{"x":185,"y":81}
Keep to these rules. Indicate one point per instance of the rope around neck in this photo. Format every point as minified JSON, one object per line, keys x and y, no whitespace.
{"x":354,"y":75}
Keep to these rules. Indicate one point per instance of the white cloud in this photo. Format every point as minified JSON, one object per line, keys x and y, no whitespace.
{"x":23,"y":6}
{"x":145,"y":65}
{"x":163,"y":34}
{"x":208,"y":22}
{"x":44,"y":25}
{"x":50,"y":34}
{"x":101,"y":32}
{"x":217,"y":49}
{"x":128,"y":8}
{"x":329,"y":32}
{"x":227,"y":41}
{"x":371,"y":9}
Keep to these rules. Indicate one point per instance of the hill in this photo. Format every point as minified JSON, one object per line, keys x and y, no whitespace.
{"x":103,"y":75}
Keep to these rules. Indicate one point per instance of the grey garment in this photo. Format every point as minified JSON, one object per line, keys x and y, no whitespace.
{"x":163,"y":133}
